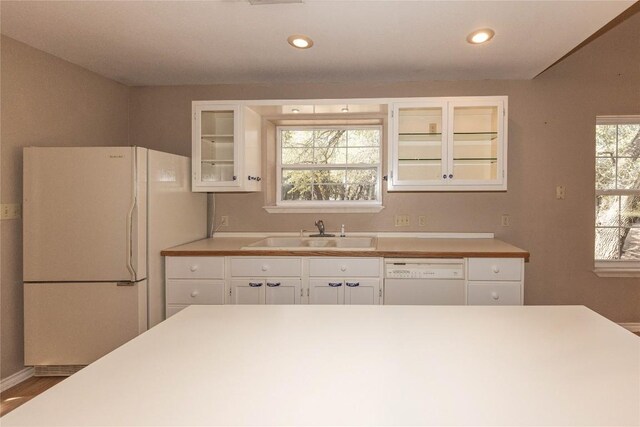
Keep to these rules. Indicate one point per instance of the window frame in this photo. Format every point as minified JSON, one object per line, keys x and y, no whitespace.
{"x":603,"y":267}
{"x":321,"y":204}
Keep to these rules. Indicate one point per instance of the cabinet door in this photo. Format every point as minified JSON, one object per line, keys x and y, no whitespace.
{"x":283,"y":291}
{"x":476,"y":140}
{"x":247,"y":291}
{"x":216,"y":141}
{"x":362,"y":291}
{"x":418,"y":147}
{"x":326,"y":291}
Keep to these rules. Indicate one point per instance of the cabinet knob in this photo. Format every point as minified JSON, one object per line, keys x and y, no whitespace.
{"x":343,"y":268}
{"x":265,"y":267}
{"x":194,"y":294}
{"x":444,"y":176}
{"x":450,"y":175}
{"x":193,"y":268}
{"x":495,"y":269}
{"x":495,"y":296}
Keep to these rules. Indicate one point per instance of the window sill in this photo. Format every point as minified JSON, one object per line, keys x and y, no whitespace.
{"x":323,"y":209}
{"x":616,"y":272}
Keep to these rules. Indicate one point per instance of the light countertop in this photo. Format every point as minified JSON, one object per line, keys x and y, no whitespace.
{"x":388,"y":247}
{"x":357,"y":365}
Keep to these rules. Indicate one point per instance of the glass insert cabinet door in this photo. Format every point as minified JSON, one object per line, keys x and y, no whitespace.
{"x":448,"y":144}
{"x":421,"y":150}
{"x":475,"y":140}
{"x":216,"y":129}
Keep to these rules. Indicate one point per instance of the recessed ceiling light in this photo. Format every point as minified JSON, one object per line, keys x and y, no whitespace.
{"x":300,"y":41}
{"x":481,"y":36}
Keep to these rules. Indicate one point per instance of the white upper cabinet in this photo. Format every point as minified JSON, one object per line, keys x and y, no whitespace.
{"x":225,"y":147}
{"x":448,"y":144}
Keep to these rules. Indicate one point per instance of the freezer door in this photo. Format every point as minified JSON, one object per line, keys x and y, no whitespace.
{"x":80,"y":214}
{"x":77,"y":323}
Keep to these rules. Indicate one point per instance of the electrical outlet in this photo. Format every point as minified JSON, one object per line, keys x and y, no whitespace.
{"x":433,"y":128}
{"x":422,"y":221}
{"x":401,"y":220}
{"x":506,"y":220}
{"x":224,"y":221}
{"x":10,"y":211}
{"x":560,"y":192}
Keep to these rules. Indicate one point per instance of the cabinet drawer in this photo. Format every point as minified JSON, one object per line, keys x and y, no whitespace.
{"x":195,"y":267}
{"x":488,"y":293}
{"x":195,"y":292}
{"x":344,"y":267}
{"x":263,"y":267}
{"x":495,"y":268}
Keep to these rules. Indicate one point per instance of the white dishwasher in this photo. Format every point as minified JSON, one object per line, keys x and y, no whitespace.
{"x":424,"y":282}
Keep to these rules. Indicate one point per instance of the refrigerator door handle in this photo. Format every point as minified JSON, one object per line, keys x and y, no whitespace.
{"x":129,"y":241}
{"x":129,"y":224}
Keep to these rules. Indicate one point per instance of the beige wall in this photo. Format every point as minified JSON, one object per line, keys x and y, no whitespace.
{"x":551,"y":142}
{"x":45,"y":102}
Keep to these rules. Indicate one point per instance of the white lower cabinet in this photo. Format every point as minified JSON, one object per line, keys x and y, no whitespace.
{"x":495,"y":281}
{"x":193,"y":280}
{"x":265,"y":280}
{"x":345,"y":280}
{"x":267,"y":291}
{"x":318,"y":280}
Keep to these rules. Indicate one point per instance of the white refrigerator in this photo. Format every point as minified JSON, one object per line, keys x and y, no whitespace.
{"x":95,"y":220}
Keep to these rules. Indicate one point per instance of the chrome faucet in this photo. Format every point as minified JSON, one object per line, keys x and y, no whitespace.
{"x":321,"y":233}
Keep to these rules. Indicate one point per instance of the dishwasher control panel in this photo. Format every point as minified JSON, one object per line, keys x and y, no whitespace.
{"x":424,"y":269}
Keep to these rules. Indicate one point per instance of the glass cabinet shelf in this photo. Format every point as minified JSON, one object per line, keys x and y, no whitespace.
{"x":216,"y":161}
{"x":478,"y":159}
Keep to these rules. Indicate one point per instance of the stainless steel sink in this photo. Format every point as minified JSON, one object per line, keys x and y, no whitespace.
{"x":314,"y":243}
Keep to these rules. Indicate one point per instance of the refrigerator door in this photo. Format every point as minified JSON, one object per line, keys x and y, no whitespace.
{"x":80,"y":214}
{"x":176,"y":216}
{"x":77,"y":323}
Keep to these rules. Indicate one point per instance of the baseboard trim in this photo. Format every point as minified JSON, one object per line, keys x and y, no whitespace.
{"x":633,"y":327}
{"x":16,"y":378}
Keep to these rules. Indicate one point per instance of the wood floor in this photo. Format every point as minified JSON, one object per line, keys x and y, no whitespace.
{"x":26,"y":390}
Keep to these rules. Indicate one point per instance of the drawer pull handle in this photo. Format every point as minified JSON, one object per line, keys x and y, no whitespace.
{"x":495,"y":269}
{"x":255,"y":284}
{"x":273,"y":284}
{"x":335,"y":284}
{"x":352,"y":284}
{"x":194,"y":294}
{"x":343,"y":268}
{"x":265,"y":267}
{"x":495,"y":296}
{"x":193,"y":268}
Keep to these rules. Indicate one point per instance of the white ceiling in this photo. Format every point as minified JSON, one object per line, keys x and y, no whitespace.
{"x":188,"y":42}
